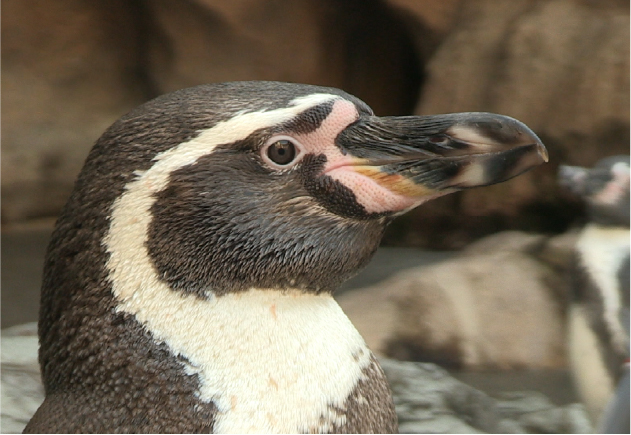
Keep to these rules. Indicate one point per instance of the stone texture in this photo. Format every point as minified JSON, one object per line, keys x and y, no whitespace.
{"x":429,"y":400}
{"x":22,"y":389}
{"x":561,"y":66}
{"x":500,"y":304}
{"x":355,"y":45}
{"x":428,"y":21}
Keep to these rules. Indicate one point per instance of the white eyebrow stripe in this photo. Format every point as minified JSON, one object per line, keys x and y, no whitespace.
{"x":235,"y":129}
{"x":313,"y":100}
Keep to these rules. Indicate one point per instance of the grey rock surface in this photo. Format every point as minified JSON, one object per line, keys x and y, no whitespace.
{"x":429,"y":400}
{"x":22,"y":389}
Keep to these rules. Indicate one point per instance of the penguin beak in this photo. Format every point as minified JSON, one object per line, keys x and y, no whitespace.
{"x":422,"y":157}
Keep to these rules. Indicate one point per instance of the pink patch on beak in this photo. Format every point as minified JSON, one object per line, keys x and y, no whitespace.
{"x":373,"y":196}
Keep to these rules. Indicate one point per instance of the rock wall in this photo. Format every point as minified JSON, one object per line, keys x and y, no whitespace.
{"x":69,"y":69}
{"x":562,"y":66}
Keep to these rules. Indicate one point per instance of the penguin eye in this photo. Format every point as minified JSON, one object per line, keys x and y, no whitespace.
{"x":281,"y":152}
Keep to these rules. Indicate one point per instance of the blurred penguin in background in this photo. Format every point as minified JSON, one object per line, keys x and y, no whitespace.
{"x":598,"y":317}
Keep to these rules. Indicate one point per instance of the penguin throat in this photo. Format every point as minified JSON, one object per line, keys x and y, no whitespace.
{"x":269,"y":360}
{"x":602,"y":251}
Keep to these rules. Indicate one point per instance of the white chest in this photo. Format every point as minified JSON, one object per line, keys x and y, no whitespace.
{"x":602,"y":252}
{"x":270,"y":361}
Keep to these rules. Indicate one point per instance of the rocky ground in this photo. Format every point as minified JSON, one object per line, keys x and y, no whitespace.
{"x":429,"y":400}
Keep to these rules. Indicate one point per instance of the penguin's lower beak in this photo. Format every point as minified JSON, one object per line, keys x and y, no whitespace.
{"x":418,"y":158}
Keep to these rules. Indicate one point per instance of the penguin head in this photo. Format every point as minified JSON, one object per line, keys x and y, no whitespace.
{"x":227,"y":187}
{"x":604,"y":189}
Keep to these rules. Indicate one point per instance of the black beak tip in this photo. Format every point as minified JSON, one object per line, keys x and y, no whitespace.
{"x":496,"y":130}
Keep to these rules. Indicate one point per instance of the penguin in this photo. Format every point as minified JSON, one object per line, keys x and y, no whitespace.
{"x":188,"y":282}
{"x":598,"y":321}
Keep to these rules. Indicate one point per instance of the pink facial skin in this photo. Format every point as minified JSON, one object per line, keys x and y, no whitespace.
{"x":375,"y":191}
{"x":617,"y":187}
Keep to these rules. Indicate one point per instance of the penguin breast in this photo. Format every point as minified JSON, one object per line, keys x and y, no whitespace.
{"x":271,"y":361}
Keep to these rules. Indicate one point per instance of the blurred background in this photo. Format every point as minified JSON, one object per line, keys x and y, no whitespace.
{"x":484,"y":285}
{"x":72,"y":67}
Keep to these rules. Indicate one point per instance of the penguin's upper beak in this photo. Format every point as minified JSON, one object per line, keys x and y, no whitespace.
{"x":422,"y":157}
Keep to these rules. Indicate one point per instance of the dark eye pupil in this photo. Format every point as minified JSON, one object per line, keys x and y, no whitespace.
{"x":281,"y":152}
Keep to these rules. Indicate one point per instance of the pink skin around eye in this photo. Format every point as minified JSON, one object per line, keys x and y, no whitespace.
{"x":371,"y":195}
{"x":611,"y":194}
{"x":616,"y":188}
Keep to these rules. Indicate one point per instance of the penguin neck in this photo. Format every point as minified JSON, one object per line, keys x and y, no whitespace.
{"x":602,"y":250}
{"x":259,"y":353}
{"x":597,"y":241}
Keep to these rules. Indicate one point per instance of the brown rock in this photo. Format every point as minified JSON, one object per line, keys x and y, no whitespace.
{"x":429,"y":21}
{"x":69,"y":69}
{"x":561,"y":66}
{"x":359,"y":46}
{"x":497,"y":305}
